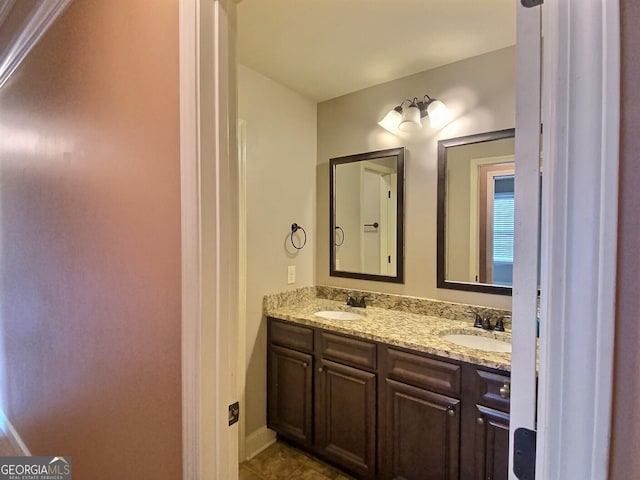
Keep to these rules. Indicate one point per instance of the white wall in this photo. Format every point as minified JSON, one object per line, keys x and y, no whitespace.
{"x":481,"y":92}
{"x":347,"y":193}
{"x":280,"y":185}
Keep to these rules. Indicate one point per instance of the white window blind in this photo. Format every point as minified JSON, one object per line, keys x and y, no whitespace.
{"x":503,"y":208}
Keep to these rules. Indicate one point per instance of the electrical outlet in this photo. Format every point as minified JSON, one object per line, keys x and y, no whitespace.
{"x":291,"y":274}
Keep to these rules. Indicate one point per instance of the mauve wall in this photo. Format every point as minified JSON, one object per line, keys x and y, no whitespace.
{"x":90,"y":242}
{"x":625,"y":462}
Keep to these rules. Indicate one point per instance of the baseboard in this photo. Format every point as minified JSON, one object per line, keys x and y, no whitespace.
{"x":258,"y":441}
{"x":13,"y":436}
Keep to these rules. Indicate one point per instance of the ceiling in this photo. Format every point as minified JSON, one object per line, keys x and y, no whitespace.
{"x":327,"y":48}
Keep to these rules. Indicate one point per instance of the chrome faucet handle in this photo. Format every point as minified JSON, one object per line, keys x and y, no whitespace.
{"x":499,"y":326}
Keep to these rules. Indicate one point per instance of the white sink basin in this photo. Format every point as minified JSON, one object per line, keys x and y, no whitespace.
{"x":479,"y":342}
{"x":338,"y":315}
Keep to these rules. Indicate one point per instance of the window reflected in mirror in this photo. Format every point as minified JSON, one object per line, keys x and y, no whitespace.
{"x":476,"y":212}
{"x":496,"y":223}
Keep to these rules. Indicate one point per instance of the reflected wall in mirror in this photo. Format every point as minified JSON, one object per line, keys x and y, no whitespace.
{"x":366,"y":216}
{"x":476,"y":212}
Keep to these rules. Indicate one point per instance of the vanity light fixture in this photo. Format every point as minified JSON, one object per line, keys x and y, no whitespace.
{"x":408,"y":118}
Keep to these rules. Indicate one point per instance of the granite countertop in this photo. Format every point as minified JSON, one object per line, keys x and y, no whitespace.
{"x":403,"y":329}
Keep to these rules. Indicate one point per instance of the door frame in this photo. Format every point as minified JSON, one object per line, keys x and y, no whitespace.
{"x":581,"y":146}
{"x":210,"y":232}
{"x":581,"y":117}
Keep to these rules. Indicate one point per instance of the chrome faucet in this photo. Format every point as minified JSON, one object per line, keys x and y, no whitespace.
{"x":356,"y":302}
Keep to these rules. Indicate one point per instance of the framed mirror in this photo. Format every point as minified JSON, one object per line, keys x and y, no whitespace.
{"x":475,"y":212}
{"x":366,"y":226}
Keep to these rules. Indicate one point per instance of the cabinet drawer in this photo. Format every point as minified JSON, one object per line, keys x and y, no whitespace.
{"x":493,"y":390}
{"x":349,"y":350}
{"x":424,"y":372}
{"x":292,"y":336}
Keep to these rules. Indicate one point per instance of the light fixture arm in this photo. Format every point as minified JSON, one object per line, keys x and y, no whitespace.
{"x":401,"y":105}
{"x":423,"y":105}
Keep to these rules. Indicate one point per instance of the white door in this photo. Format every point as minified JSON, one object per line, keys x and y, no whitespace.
{"x":372,"y":222}
{"x":378,"y":218}
{"x":527,"y":201}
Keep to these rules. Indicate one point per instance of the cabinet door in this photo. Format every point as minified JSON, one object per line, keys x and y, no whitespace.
{"x":346,"y":417}
{"x":492,"y":444}
{"x":289,"y":410}
{"x":423,"y":434}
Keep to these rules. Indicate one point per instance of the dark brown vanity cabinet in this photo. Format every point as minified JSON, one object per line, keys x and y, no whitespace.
{"x":322,"y":392}
{"x":383,"y":412}
{"x":445,"y":419}
{"x":346,"y":406}
{"x":290,"y":393}
{"x":290,"y":381}
{"x":492,"y":444}
{"x":423,"y":434}
{"x":423,"y":418}
{"x":491,"y":415}
{"x":346,"y":417}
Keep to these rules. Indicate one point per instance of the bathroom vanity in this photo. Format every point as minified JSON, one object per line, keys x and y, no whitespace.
{"x":384,"y":397}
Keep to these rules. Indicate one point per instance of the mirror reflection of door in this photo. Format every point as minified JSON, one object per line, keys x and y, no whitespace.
{"x":366,"y":199}
{"x":378,"y":219}
{"x":496,"y":208}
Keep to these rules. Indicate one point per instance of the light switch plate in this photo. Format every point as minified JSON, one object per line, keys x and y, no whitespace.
{"x":291,"y":274}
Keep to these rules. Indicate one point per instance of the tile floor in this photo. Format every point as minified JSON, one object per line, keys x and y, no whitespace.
{"x":283,"y":462}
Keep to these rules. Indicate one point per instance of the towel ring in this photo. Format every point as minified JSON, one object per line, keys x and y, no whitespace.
{"x":339,"y":244}
{"x":294,"y":228}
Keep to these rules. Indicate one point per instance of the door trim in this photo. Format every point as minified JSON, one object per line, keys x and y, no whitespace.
{"x":190,"y":199}
{"x":581,"y":115}
{"x":242,"y":287}
{"x":209,"y":203}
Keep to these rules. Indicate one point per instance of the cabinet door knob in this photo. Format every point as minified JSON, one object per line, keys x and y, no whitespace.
{"x":505,"y":390}
{"x":320,"y":369}
{"x":480,"y":421}
{"x":305,"y":365}
{"x":451,"y":412}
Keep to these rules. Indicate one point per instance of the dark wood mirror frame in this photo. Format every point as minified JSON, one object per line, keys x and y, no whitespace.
{"x":333,"y":163}
{"x":442,"y":282}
